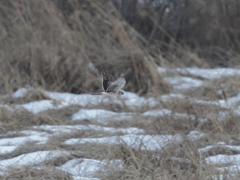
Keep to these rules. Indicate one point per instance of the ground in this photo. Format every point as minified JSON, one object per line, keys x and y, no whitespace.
{"x":190,"y":133}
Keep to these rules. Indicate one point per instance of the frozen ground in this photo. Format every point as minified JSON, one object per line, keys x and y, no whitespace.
{"x":108,"y":120}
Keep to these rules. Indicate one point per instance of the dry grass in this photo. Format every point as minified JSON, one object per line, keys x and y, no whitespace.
{"x":60,"y":45}
{"x":31,"y":173}
{"x":55,"y":51}
{"x":35,"y":94}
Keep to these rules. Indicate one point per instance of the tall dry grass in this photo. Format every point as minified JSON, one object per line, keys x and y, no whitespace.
{"x":54,"y":43}
{"x":208,"y":29}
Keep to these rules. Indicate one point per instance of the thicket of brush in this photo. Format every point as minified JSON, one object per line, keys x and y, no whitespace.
{"x":53,"y":44}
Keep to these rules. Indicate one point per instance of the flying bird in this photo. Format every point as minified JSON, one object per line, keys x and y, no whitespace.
{"x":110,"y":85}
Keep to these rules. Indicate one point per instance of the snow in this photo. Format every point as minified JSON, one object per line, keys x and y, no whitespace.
{"x":231,"y":169}
{"x":83,"y":167}
{"x":56,"y":130}
{"x":168,"y":113}
{"x":218,"y":145}
{"x":137,"y":107}
{"x":19,"y":93}
{"x":92,"y":114}
{"x":84,"y":99}
{"x":160,"y":112}
{"x":16,"y":140}
{"x":6,"y":149}
{"x":83,"y":178}
{"x":172,"y":96}
{"x":87,"y":167}
{"x":129,"y":99}
{"x":100,"y":115}
{"x":229,"y":163}
{"x":224,"y":159}
{"x":144,"y":142}
{"x":195,"y":135}
{"x":211,"y":73}
{"x":31,"y":136}
{"x":183,"y":83}
{"x":30,"y":158}
{"x":43,"y":105}
{"x":39,"y":137}
{"x":204,"y":73}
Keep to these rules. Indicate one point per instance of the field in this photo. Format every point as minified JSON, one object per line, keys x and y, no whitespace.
{"x":178,"y":118}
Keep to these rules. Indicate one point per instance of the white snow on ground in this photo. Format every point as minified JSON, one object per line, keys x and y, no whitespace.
{"x":83,"y":178}
{"x":171,"y":114}
{"x":183,"y":83}
{"x":132,"y":100}
{"x":204,"y":73}
{"x":43,"y":105}
{"x":39,"y":137}
{"x":21,"y":140}
{"x":224,"y":159}
{"x":88,"y":167}
{"x":218,"y":145}
{"x":134,"y":137}
{"x":80,"y":99}
{"x":30,"y":158}
{"x":166,"y":112}
{"x":86,"y":99}
{"x":19,"y":93}
{"x":195,"y":135}
{"x":210,"y":73}
{"x":160,"y":112}
{"x":93,"y":114}
{"x":7,"y":149}
{"x":168,"y":97}
{"x":232,"y":169}
{"x":100,"y":115}
{"x":144,"y":142}
{"x":60,"y":129}
{"x":229,"y":163}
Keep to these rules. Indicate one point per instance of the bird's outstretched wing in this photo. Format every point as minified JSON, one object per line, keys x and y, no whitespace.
{"x":117,"y":85}
{"x":107,"y":80}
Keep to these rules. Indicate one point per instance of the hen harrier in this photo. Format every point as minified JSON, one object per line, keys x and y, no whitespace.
{"x":110,"y":85}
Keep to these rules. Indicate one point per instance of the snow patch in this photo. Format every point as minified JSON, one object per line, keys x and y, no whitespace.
{"x":60,"y":129}
{"x":87,"y":167}
{"x":100,"y":115}
{"x":43,"y":105}
{"x":30,"y":158}
{"x":144,"y":142}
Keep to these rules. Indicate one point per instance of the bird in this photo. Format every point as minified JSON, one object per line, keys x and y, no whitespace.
{"x":110,"y":85}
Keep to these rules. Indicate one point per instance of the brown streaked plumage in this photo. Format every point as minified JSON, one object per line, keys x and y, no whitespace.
{"x":117,"y":85}
{"x":107,"y":80}
{"x":111,"y":85}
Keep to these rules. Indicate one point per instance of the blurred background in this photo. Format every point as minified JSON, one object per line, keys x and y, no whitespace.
{"x":59,"y":45}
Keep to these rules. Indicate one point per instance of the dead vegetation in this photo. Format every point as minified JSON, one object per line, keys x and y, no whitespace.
{"x":59,"y":45}
{"x":57,"y":48}
{"x":32,"y":173}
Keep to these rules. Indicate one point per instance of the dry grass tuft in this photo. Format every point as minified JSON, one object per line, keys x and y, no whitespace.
{"x":34,"y":94}
{"x":56,"y":52}
{"x":34,"y":174}
{"x":59,"y":45}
